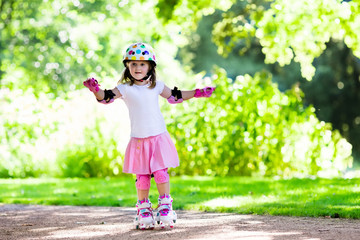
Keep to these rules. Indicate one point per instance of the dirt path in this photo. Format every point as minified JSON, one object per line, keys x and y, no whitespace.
{"x":30,"y":222}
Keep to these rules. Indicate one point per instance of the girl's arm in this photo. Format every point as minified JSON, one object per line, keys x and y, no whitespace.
{"x":100,"y":95}
{"x":103,"y":96}
{"x":166,"y":93}
{"x":176,"y":96}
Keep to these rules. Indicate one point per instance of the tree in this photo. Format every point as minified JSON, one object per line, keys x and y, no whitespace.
{"x":54,"y":45}
{"x":286,"y":29}
{"x":320,"y":35}
{"x":334,"y":85}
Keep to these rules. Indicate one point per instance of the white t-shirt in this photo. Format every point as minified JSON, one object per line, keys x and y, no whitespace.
{"x":146,"y":118}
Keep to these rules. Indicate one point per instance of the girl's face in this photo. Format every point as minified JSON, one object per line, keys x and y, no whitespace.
{"x":139,"y":69}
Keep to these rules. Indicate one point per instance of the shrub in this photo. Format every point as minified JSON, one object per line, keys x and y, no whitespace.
{"x":98,"y":156}
{"x":72,"y":136}
{"x":249,"y":127}
{"x":25,"y":128}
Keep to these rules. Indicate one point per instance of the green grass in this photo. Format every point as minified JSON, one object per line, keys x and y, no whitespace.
{"x":295,"y":197}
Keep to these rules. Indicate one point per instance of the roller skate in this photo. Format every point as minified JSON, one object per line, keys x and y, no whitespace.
{"x":165,"y":215}
{"x":144,"y":217}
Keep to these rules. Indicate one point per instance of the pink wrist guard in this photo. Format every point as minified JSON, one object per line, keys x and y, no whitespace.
{"x":92,"y":84}
{"x":205,"y":92}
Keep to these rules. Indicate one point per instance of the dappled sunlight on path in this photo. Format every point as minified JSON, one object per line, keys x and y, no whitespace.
{"x":30,"y":222}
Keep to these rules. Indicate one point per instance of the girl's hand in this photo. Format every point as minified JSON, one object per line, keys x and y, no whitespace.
{"x":92,"y":84}
{"x":205,"y":92}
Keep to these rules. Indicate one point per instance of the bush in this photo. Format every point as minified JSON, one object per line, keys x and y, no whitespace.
{"x":249,"y":127}
{"x":25,"y":128}
{"x":72,"y":136}
{"x":97,"y":157}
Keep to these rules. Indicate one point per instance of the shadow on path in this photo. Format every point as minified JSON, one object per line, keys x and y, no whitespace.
{"x":30,"y":222}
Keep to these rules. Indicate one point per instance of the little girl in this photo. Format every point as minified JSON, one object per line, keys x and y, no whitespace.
{"x":150,"y":151}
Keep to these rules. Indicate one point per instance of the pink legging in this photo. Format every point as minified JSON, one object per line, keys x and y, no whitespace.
{"x":143,"y":181}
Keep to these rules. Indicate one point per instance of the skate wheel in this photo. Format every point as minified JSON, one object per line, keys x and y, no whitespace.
{"x":171,"y":226}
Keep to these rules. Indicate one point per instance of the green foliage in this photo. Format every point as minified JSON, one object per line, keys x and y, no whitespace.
{"x":286,"y":29}
{"x":24,"y":130}
{"x":201,"y":54}
{"x":334,"y":91}
{"x":64,"y":138}
{"x":293,"y":29}
{"x":235,"y":27}
{"x":249,"y":127}
{"x":47,"y":48}
{"x":335,"y":84}
{"x":300,"y":29}
{"x":188,"y":12}
{"x":98,"y":156}
{"x":55,"y":45}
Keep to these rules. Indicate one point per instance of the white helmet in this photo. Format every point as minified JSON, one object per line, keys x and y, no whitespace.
{"x":139,"y":51}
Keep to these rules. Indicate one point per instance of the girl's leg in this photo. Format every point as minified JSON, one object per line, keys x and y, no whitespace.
{"x":163,"y":188}
{"x":143,"y":186}
{"x":165,"y":215}
{"x":162,"y":180}
{"x":144,"y":217}
{"x":162,"y":183}
{"x":142,"y":194}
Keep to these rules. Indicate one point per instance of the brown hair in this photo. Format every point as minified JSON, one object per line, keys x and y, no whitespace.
{"x":127,"y":78}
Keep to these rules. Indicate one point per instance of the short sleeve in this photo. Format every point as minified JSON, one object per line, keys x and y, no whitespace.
{"x":159,"y":86}
{"x":122,"y":90}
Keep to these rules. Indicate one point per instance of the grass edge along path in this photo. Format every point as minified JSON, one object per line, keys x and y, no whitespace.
{"x":337,"y":198}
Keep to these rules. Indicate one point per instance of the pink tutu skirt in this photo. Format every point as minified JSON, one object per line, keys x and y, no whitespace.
{"x":148,"y":155}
